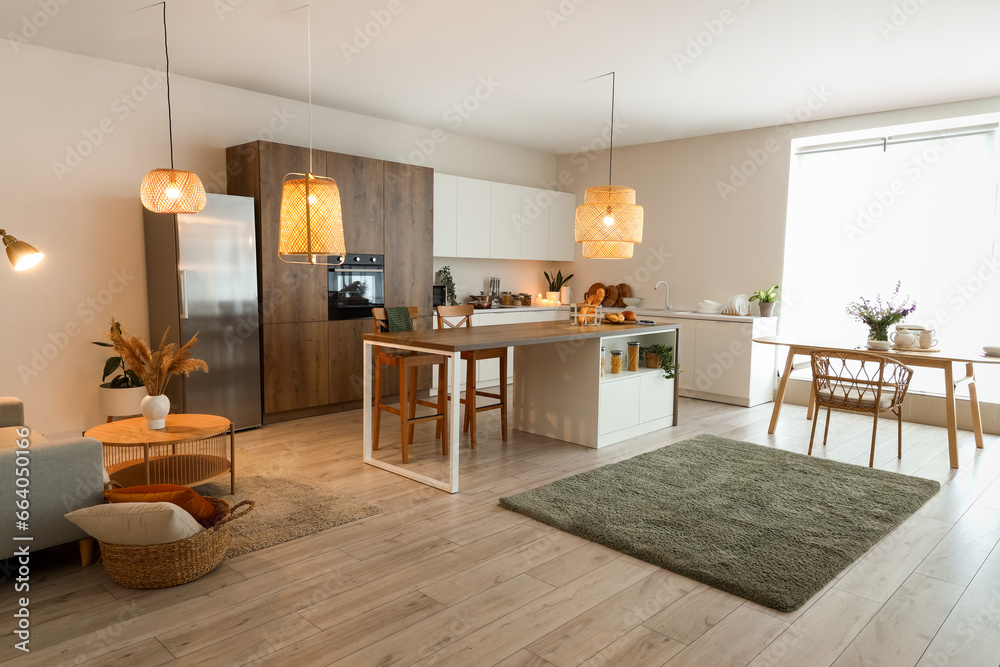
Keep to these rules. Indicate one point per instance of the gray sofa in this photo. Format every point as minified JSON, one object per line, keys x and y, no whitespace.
{"x":64,"y":475}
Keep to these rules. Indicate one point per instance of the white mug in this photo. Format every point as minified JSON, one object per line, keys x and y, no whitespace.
{"x":927,"y":340}
{"x":904,"y":338}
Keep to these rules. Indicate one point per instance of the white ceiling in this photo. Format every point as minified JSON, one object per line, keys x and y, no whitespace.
{"x":765,"y":61}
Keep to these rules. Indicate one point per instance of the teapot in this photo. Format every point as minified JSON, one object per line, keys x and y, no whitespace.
{"x":905,"y":338}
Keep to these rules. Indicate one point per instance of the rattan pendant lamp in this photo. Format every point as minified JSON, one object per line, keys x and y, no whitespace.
{"x":22,"y":255}
{"x":609,"y":223}
{"x":171,"y":190}
{"x":312,"y":224}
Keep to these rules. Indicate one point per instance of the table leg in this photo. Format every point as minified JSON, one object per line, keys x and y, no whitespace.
{"x":780,"y":396}
{"x":367,"y":394}
{"x":232,"y":458}
{"x":456,"y":417}
{"x":949,"y":405}
{"x":977,"y":419}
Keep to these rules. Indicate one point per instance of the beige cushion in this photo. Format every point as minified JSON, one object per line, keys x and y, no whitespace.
{"x":838,"y":396}
{"x":136,"y":524}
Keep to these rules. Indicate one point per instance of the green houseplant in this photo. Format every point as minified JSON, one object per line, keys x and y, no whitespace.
{"x":767,"y":298}
{"x":881,"y":315}
{"x":444,"y":276}
{"x":556,"y":283}
{"x":122,"y":395}
{"x":662,"y":356}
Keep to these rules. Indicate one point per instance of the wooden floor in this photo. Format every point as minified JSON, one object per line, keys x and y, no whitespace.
{"x":456,"y":580}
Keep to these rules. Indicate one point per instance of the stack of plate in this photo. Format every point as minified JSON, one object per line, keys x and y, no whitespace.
{"x":737,"y":305}
{"x":992,"y":350}
{"x":709,"y":307}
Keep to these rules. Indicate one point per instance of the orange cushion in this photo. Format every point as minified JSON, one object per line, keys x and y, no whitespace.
{"x":202,"y":510}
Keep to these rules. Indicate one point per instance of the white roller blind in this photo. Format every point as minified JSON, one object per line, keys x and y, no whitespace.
{"x":922,"y":211}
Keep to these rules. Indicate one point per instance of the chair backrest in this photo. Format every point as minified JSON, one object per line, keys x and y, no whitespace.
{"x":858,"y":378}
{"x":446,"y":316}
{"x":382,"y":318}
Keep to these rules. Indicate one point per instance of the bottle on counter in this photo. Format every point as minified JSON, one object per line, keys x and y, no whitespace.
{"x":633,"y":356}
{"x":616,"y":362}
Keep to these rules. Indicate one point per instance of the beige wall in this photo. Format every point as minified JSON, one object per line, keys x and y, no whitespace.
{"x":87,"y":218}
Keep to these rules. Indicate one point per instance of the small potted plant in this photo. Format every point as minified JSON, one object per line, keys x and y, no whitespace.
{"x":444,"y":276}
{"x":557,"y":289}
{"x":880,"y":316}
{"x":122,"y":395}
{"x":767,"y":298}
{"x":662,"y":356}
{"x":155,"y":369}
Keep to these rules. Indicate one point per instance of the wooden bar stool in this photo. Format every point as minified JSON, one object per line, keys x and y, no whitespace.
{"x":463,"y":315}
{"x":408,"y":362}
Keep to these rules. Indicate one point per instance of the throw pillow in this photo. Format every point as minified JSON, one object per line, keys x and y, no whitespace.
{"x":202,"y":510}
{"x":137,"y":524}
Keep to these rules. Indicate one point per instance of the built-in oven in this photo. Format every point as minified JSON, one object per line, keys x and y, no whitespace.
{"x":357,"y":286}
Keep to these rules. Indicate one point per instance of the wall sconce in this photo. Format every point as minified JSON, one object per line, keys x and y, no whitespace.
{"x":22,"y":255}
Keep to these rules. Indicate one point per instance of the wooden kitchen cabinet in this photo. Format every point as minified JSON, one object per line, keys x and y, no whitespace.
{"x":346,"y":368}
{"x":296,"y":358}
{"x":289,"y":292}
{"x":359,"y":180}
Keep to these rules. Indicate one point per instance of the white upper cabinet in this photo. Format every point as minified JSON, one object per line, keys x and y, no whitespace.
{"x":505,"y":221}
{"x":477,"y":218}
{"x":473,"y":217}
{"x":535,"y":206}
{"x":562,"y":216}
{"x":445,"y":215}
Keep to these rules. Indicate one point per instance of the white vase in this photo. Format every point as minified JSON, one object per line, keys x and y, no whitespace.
{"x":155,"y":410}
{"x":565,"y":295}
{"x":120,"y":402}
{"x":552,"y":296}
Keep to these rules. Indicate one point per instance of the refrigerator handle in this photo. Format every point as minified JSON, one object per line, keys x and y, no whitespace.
{"x":184,"y":294}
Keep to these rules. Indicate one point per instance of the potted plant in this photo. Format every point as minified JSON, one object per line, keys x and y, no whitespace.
{"x":444,"y":276}
{"x":880,"y":316}
{"x":155,"y":369}
{"x":122,"y":395}
{"x":556,"y":287}
{"x":767,"y":298}
{"x":662,"y":356}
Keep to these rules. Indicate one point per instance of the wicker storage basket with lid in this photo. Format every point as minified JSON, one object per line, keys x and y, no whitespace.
{"x":175,"y":563}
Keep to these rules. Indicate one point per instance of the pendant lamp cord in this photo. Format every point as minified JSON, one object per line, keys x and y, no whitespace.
{"x":166,"y":52}
{"x":611,"y":150}
{"x":310,"y":74}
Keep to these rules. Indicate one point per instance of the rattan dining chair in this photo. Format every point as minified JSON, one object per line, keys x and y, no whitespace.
{"x":454,"y":317}
{"x":859,"y":382}
{"x":408,"y":362}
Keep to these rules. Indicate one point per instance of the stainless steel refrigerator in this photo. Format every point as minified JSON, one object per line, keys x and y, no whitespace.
{"x":201,"y":276}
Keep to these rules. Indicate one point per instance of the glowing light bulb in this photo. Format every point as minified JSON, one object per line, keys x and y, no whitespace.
{"x":172,"y":192}
{"x":28,"y":261}
{"x":312,"y":200}
{"x":608,"y":221}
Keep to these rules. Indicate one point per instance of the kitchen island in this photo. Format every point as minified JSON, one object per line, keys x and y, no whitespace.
{"x":558,"y":388}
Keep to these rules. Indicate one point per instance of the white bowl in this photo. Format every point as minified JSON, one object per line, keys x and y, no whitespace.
{"x":709,"y":302}
{"x":633,"y":301}
{"x":878,"y":345}
{"x":992,"y":350}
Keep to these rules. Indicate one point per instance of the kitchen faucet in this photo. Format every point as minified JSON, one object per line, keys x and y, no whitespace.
{"x":666,"y":301}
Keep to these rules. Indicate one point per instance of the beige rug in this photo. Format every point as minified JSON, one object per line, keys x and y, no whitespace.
{"x":287,"y":506}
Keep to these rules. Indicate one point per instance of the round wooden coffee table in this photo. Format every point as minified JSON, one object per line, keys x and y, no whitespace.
{"x":191,"y":449}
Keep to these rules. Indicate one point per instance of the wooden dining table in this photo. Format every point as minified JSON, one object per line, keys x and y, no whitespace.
{"x":943,"y":360}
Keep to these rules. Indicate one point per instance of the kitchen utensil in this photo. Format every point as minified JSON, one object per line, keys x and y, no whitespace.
{"x":611,"y":296}
{"x":593,"y":289}
{"x":878,"y":345}
{"x":905,"y":339}
{"x":632,"y":301}
{"x":926,"y":339}
{"x":992,"y":350}
{"x":624,"y":292}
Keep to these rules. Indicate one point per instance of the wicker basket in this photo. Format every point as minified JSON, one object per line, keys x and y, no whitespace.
{"x":175,"y":563}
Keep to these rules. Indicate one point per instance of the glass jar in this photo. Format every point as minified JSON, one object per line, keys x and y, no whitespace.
{"x":603,"y":355}
{"x":616,"y":362}
{"x":633,"y":356}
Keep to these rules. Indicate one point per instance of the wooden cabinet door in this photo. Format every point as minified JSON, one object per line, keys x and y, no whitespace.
{"x":472,"y":217}
{"x":534,"y":230}
{"x":359,"y":180}
{"x":445,"y":215}
{"x":289,"y":292}
{"x":347,"y":359}
{"x":562,"y":220}
{"x":505,"y":221}
{"x":409,"y":230}
{"x":295,"y":366}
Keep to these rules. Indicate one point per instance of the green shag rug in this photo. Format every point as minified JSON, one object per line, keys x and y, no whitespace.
{"x":768,"y":525}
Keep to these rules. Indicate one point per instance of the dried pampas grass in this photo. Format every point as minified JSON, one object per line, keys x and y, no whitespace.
{"x":155,"y":368}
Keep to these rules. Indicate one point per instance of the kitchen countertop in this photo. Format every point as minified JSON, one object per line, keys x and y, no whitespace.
{"x":640,"y":312}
